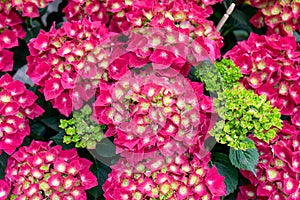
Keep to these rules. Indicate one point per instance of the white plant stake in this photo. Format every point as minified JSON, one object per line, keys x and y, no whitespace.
{"x":225,"y":16}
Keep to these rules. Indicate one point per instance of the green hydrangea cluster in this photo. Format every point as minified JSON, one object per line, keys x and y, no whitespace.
{"x":242,"y":113}
{"x":82,"y":130}
{"x":216,"y":77}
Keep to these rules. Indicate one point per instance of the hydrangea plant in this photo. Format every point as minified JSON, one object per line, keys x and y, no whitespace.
{"x":278,"y":167}
{"x":82,"y":129}
{"x":40,"y":171}
{"x":180,"y":177}
{"x":17,"y":106}
{"x":12,"y":15}
{"x":159,"y":121}
{"x":242,"y":113}
{"x":148,"y":112}
{"x":127,"y":15}
{"x":281,"y":17}
{"x":62,"y":63}
{"x":218,"y":76}
{"x":270,"y":66}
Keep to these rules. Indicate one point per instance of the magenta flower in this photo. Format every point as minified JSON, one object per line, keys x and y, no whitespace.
{"x":270,"y":67}
{"x":57,"y":63}
{"x":41,"y":171}
{"x":278,"y":167}
{"x":29,"y":8}
{"x":10,"y":30}
{"x":147,"y":113}
{"x":11,"y":26}
{"x":4,"y":189}
{"x":6,"y":58}
{"x":17,"y":105}
{"x":281,"y":17}
{"x":296,"y":118}
{"x":189,"y":17}
{"x":172,"y":178}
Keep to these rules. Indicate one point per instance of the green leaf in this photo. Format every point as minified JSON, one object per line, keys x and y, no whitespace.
{"x":241,"y":35}
{"x":246,"y":160}
{"x":297,"y":36}
{"x":226,"y":169}
{"x":43,"y":11}
{"x":3,"y":164}
{"x":37,"y":130}
{"x":52,"y":122}
{"x":240,"y":20}
{"x":58,"y":139}
{"x":101,"y":171}
{"x":32,"y":33}
{"x":20,"y":53}
{"x":106,"y":148}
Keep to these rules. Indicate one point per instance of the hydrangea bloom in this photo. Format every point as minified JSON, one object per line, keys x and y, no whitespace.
{"x":278,"y":168}
{"x":11,"y":26}
{"x":82,"y":129}
{"x":10,"y":30}
{"x":281,"y":17}
{"x":242,"y":112}
{"x":147,"y":112}
{"x":188,"y":17}
{"x":181,"y":177}
{"x":271,"y":66}
{"x":29,"y":8}
{"x":98,"y":10}
{"x":60,"y":61}
{"x":17,"y":104}
{"x":218,"y":76}
{"x":44,"y":172}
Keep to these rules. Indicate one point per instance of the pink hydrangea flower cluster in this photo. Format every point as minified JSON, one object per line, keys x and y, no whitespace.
{"x":148,"y":112}
{"x":188,"y":17}
{"x":29,"y":8}
{"x":61,"y":60}
{"x":278,"y":168}
{"x":40,"y":171}
{"x":97,"y":10}
{"x":271,"y":66}
{"x":281,"y":17}
{"x":174,"y":178}
{"x":17,"y":105}
{"x":11,"y":26}
{"x":10,"y":30}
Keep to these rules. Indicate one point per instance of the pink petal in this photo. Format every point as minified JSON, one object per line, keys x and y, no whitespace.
{"x":294,"y":92}
{"x":41,"y":42}
{"x":7,"y":62}
{"x":265,"y":189}
{"x":296,"y":118}
{"x":290,"y":185}
{"x":8,"y":39}
{"x":30,"y":10}
{"x":63,"y":103}
{"x":53,"y":88}
{"x":161,"y":59}
{"x":88,"y":179}
{"x":4,"y":189}
{"x":215,"y":182}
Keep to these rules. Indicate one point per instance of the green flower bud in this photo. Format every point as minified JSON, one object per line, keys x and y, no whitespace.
{"x":243,"y":113}
{"x":223,"y":74}
{"x":82,"y":130}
